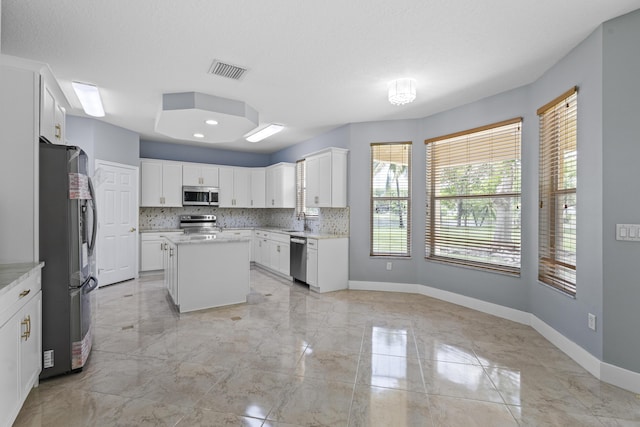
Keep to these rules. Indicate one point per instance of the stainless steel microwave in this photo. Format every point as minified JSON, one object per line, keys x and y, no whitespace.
{"x":199,"y":196}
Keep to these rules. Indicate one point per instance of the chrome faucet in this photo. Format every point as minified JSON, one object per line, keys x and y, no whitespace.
{"x":306,"y":224}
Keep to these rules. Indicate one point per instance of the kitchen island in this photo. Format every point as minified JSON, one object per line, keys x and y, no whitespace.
{"x":205,"y":271}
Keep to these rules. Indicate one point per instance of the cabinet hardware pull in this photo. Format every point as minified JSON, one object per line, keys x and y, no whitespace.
{"x":25,"y":293}
{"x":27,"y":323}
{"x":58,"y":133}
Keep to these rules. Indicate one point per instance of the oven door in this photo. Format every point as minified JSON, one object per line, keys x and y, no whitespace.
{"x":196,"y":196}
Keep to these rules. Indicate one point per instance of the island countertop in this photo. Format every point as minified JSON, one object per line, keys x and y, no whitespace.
{"x":190,"y":239}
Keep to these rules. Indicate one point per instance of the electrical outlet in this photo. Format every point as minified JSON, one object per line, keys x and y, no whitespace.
{"x":389,"y":265}
{"x":592,"y":322}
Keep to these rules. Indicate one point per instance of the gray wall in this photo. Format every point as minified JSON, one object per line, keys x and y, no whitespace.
{"x":188,"y":153}
{"x":581,"y":67}
{"x":338,"y":137}
{"x":621,"y":203}
{"x":605,"y":67}
{"x":103,"y":141}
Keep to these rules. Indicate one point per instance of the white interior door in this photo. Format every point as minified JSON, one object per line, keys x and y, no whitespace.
{"x":117,"y":248}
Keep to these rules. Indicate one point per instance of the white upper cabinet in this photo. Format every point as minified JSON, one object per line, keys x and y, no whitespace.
{"x":326,"y":178}
{"x":235,"y":187}
{"x":195,"y":174}
{"x":258,"y":188}
{"x":281,"y":185}
{"x":52,"y":113}
{"x":160,"y":183}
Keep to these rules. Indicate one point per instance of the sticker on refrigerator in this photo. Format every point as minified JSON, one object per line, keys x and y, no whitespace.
{"x":79,"y":186}
{"x":48,"y":359}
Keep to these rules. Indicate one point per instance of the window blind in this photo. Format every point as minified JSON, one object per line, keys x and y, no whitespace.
{"x":473,"y":197}
{"x":301,"y":191}
{"x":557,"y":191}
{"x":390,"y":221}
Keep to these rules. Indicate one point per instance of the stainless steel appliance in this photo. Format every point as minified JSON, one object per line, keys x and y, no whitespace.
{"x":199,"y":196}
{"x":199,"y":224}
{"x":68,"y":225}
{"x":298,"y":258}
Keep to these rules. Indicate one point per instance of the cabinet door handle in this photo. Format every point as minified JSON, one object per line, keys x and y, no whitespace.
{"x":58,"y":132}
{"x":27,"y":324}
{"x":25,"y":293}
{"x":162,"y":246}
{"x":170,"y":252}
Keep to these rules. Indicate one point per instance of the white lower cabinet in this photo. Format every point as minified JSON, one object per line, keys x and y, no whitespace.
{"x":312,"y":262}
{"x":152,"y":250}
{"x":248,"y":234}
{"x":20,"y":344}
{"x":272,"y":250}
{"x":328,"y":264}
{"x":170,"y":258}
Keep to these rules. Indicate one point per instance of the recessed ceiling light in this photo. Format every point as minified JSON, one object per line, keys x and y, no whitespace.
{"x":266,"y":132}
{"x":198,"y":135}
{"x":211,"y":122}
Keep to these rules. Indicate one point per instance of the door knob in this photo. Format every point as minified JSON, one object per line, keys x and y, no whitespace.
{"x":132,"y":229}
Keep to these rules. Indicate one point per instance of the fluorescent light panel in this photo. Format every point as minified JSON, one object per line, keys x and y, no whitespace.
{"x":266,"y":132}
{"x":89,"y":98}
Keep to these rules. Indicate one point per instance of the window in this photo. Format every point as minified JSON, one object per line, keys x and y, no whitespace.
{"x":390,"y":222}
{"x":301,"y":192}
{"x":557,"y":216}
{"x":473,"y":197}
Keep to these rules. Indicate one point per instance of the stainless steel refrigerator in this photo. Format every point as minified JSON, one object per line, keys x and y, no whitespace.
{"x":68,"y":225}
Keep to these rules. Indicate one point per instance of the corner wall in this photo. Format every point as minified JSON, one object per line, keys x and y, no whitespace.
{"x":621,"y":201}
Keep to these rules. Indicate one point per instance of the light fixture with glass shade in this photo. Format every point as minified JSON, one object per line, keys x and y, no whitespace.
{"x":89,"y":97}
{"x":402,"y":91}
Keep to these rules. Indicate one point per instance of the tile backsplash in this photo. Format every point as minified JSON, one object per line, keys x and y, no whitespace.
{"x":329,"y":221}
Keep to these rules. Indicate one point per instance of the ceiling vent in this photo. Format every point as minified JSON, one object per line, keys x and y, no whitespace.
{"x":219,"y":68}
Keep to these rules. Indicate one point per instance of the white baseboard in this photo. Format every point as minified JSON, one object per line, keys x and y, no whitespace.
{"x":612,"y":374}
{"x":620,"y":377}
{"x":581,"y":356}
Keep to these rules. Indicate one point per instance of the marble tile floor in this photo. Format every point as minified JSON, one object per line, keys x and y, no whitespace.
{"x":295,"y":358}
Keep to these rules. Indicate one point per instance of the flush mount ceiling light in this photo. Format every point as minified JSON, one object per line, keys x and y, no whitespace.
{"x":211,"y":122}
{"x":402,"y":91}
{"x":263,"y":133}
{"x":89,"y":98}
{"x":198,"y":135}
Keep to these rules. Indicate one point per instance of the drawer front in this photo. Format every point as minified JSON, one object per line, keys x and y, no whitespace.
{"x":278,"y":237}
{"x":13,"y":300}
{"x":158,"y":236}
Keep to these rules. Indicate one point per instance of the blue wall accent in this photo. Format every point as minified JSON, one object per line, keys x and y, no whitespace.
{"x":189,"y":153}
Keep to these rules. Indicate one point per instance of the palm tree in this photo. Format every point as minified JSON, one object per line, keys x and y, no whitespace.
{"x":394,"y":171}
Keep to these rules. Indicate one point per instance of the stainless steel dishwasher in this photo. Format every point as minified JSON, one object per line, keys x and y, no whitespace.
{"x":298,"y":258}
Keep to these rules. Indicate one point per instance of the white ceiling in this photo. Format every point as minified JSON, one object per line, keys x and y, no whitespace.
{"x":313,"y":65}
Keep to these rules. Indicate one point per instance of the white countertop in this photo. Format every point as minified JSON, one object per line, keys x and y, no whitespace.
{"x":308,"y":235}
{"x":12,"y":274}
{"x":191,"y":239}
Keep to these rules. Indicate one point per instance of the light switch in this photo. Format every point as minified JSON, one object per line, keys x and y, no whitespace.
{"x":628,"y":232}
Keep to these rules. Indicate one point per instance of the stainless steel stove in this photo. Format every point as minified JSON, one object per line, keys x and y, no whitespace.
{"x":199,"y":224}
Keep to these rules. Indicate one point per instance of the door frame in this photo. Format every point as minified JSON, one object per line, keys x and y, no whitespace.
{"x":136,"y":174}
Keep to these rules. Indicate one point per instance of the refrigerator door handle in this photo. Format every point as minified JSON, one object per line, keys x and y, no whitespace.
{"x":94,"y":232}
{"x":91,"y":286}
